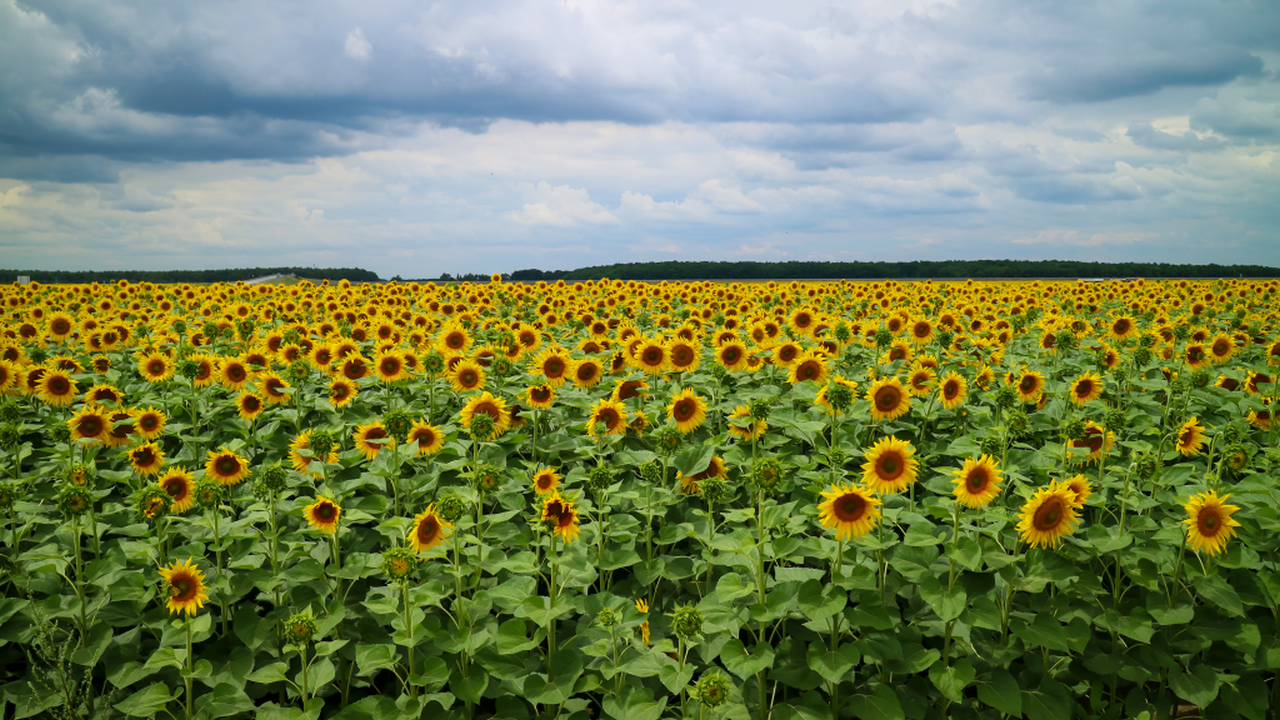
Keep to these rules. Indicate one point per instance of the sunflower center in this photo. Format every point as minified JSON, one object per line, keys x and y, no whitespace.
{"x":156,"y":367}
{"x":950,"y":389}
{"x":586,"y":372}
{"x":1048,"y":516}
{"x":1028,"y":384}
{"x":809,"y":370}
{"x":1209,"y":522}
{"x":684,"y":409}
{"x":182,"y":588}
{"x":427,"y":529}
{"x":891,"y":466}
{"x":887,"y":399}
{"x":731,"y":355}
{"x":174,"y":487}
{"x":1084,"y":388}
{"x":977,"y":481}
{"x":540,"y":394}
{"x":226,"y":466}
{"x":59,"y":386}
{"x":144,"y":457}
{"x":652,"y":356}
{"x":850,"y":508}
{"x":90,"y":427}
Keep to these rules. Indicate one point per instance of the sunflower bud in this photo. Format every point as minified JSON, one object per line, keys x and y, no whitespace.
{"x":274,"y":477}
{"x":712,"y":689}
{"x":188,"y":368}
{"x":292,"y":337}
{"x":883,"y":337}
{"x":1006,"y":397}
{"x":74,"y":501}
{"x":608,"y":618}
{"x":944,"y":338}
{"x":650,"y":472}
{"x":1065,"y":339}
{"x":842,"y":333}
{"x":991,"y":445}
{"x":10,"y":435}
{"x":1147,"y":341}
{"x":59,"y":433}
{"x":600,"y":477}
{"x":300,"y":369}
{"x":687,"y":622}
{"x":669,"y":439}
{"x":450,"y":506}
{"x":399,"y":563}
{"x":1200,"y":378}
{"x":152,"y":503}
{"x":713,"y":489}
{"x":840,"y":396}
{"x":1181,"y":332}
{"x":767,"y":474}
{"x":1141,"y":356}
{"x":1147,"y":465}
{"x":487,"y":477}
{"x":321,"y":444}
{"x":209,"y":494}
{"x":759,"y":409}
{"x":300,"y":628}
{"x":1237,"y":457}
{"x":1019,"y":424}
{"x":8,"y":495}
{"x":38,"y":355}
{"x":10,"y":413}
{"x":481,"y":426}
{"x":1115,"y":420}
{"x":398,"y":423}
{"x":433,"y":363}
{"x":501,"y":367}
{"x":210,"y":329}
{"x":77,"y":475}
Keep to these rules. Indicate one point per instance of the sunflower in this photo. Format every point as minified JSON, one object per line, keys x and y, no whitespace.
{"x":120,"y":429}
{"x":560,"y":517}
{"x":390,"y":367}
{"x":546,"y":480}
{"x":323,"y":514}
{"x":57,"y":388}
{"x":302,"y":463}
{"x":850,"y":509}
{"x":687,"y":410}
{"x":953,"y":390}
{"x":1086,"y":387}
{"x":206,"y":370}
{"x":890,"y":467}
{"x":540,"y":396}
{"x":808,"y":366}
{"x":453,"y":339}
{"x":1209,"y":522}
{"x":1079,"y":484}
{"x":1260,"y":419}
{"x":889,"y":399}
{"x":1222,"y":348}
{"x":682,"y":356}
{"x":155,"y":367}
{"x":553,"y":364}
{"x":978,"y":482}
{"x":146,"y":459}
{"x":920,"y":380}
{"x":59,"y":326}
{"x":586,"y":373}
{"x":1048,"y":515}
{"x":354,"y":367}
{"x":177,"y":482}
{"x":371,"y":438}
{"x":149,"y":423}
{"x":650,"y":356}
{"x":90,"y":423}
{"x":627,"y":389}
{"x":608,"y":417}
{"x":642,"y":607}
{"x":226,"y":467}
{"x":1030,"y":386}
{"x":742,"y":426}
{"x":274,"y":388}
{"x":185,"y":587}
{"x":429,"y":530}
{"x":233,"y":374}
{"x":342,"y":391}
{"x":429,"y":438}
{"x":494,"y":407}
{"x":732,"y":355}
{"x":249,"y":405}
{"x":466,"y":375}
{"x":984,"y":377}
{"x":1190,"y":437}
{"x":921,"y":332}
{"x":1096,"y":439}
{"x":8,"y":376}
{"x":1196,"y":356}
{"x":715,"y":469}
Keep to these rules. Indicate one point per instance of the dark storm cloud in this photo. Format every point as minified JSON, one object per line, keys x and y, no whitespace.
{"x":1095,"y":79}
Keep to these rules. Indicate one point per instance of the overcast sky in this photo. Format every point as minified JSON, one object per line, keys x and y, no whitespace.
{"x":416,"y":138}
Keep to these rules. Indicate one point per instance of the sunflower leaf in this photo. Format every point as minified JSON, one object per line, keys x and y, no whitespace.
{"x":1198,"y":687}
{"x":1001,"y":692}
{"x":146,"y":702}
{"x":881,"y":704}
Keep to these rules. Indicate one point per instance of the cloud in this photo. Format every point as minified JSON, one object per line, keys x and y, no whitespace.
{"x":561,"y":206}
{"x":1147,"y":136}
{"x":356,"y":46}
{"x":1068,"y":236}
{"x":1234,"y":115}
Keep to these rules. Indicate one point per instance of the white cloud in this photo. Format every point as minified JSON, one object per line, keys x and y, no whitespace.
{"x":357,"y":47}
{"x":561,"y":206}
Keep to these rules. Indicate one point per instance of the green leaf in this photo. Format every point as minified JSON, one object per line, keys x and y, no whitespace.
{"x":881,"y":704}
{"x":223,"y":701}
{"x":1050,"y":702}
{"x":1198,"y":687}
{"x":1180,"y":615}
{"x":694,"y":460}
{"x":147,"y":702}
{"x":634,"y":704}
{"x":469,"y":687}
{"x":275,"y":672}
{"x":1001,"y":692}
{"x":372,"y":658}
{"x":673,"y":678}
{"x":1044,"y":631}
{"x":319,"y":673}
{"x":819,"y":602}
{"x":951,"y":680}
{"x":738,"y":661}
{"x":948,"y":604}
{"x":1216,"y":590}
{"x":832,"y":665}
{"x":513,"y":637}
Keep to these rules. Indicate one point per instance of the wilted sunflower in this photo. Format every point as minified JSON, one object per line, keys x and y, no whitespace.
{"x":560,"y":517}
{"x":249,"y":406}
{"x":687,"y":410}
{"x":430,"y":439}
{"x":850,"y":509}
{"x":302,"y":463}
{"x":233,"y":374}
{"x":226,"y":467}
{"x":607,"y":416}
{"x":809,"y":366}
{"x":156,"y":367}
{"x":1047,"y":516}
{"x":1190,"y":437}
{"x":540,"y":396}
{"x":149,"y":423}
{"x":185,"y":586}
{"x":1030,"y":386}
{"x":57,"y":388}
{"x":370,"y":439}
{"x":889,"y":399}
{"x":323,"y":514}
{"x":890,"y":467}
{"x":978,"y":482}
{"x":546,"y":480}
{"x":953,"y":391}
{"x":428,"y":530}
{"x":465,"y":376}
{"x":89,"y":423}
{"x":180,"y":487}
{"x":494,"y":407}
{"x":1086,"y":387}
{"x":586,"y":373}
{"x":1209,"y":522}
{"x":147,"y":459}
{"x":742,"y":426}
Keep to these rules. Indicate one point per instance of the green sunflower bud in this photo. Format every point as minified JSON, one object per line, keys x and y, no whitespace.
{"x":687,"y":622}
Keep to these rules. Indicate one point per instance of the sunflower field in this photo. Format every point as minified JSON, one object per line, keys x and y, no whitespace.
{"x":775,"y":501}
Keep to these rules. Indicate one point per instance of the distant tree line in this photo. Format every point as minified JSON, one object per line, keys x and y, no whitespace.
{"x":185,"y":276}
{"x":916,"y":269}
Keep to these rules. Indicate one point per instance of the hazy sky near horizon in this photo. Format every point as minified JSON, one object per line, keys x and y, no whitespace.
{"x":415,"y":138}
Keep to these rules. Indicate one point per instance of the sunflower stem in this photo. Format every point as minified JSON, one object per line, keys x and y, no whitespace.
{"x":190,"y":674}
{"x":302,"y":652}
{"x":408,"y":624}
{"x":217,"y":549}
{"x":551,"y":592}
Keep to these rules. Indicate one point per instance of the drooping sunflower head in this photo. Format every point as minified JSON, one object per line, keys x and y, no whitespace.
{"x":1190,"y":437}
{"x":978,"y":482}
{"x":1048,"y":516}
{"x":687,"y":410}
{"x":429,"y":530}
{"x":323,"y":514}
{"x":184,"y":586}
{"x":890,"y":466}
{"x":889,"y":399}
{"x":849,"y":508}
{"x":1209,"y":522}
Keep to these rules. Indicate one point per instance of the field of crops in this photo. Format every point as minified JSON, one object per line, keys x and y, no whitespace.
{"x":640,"y":501}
